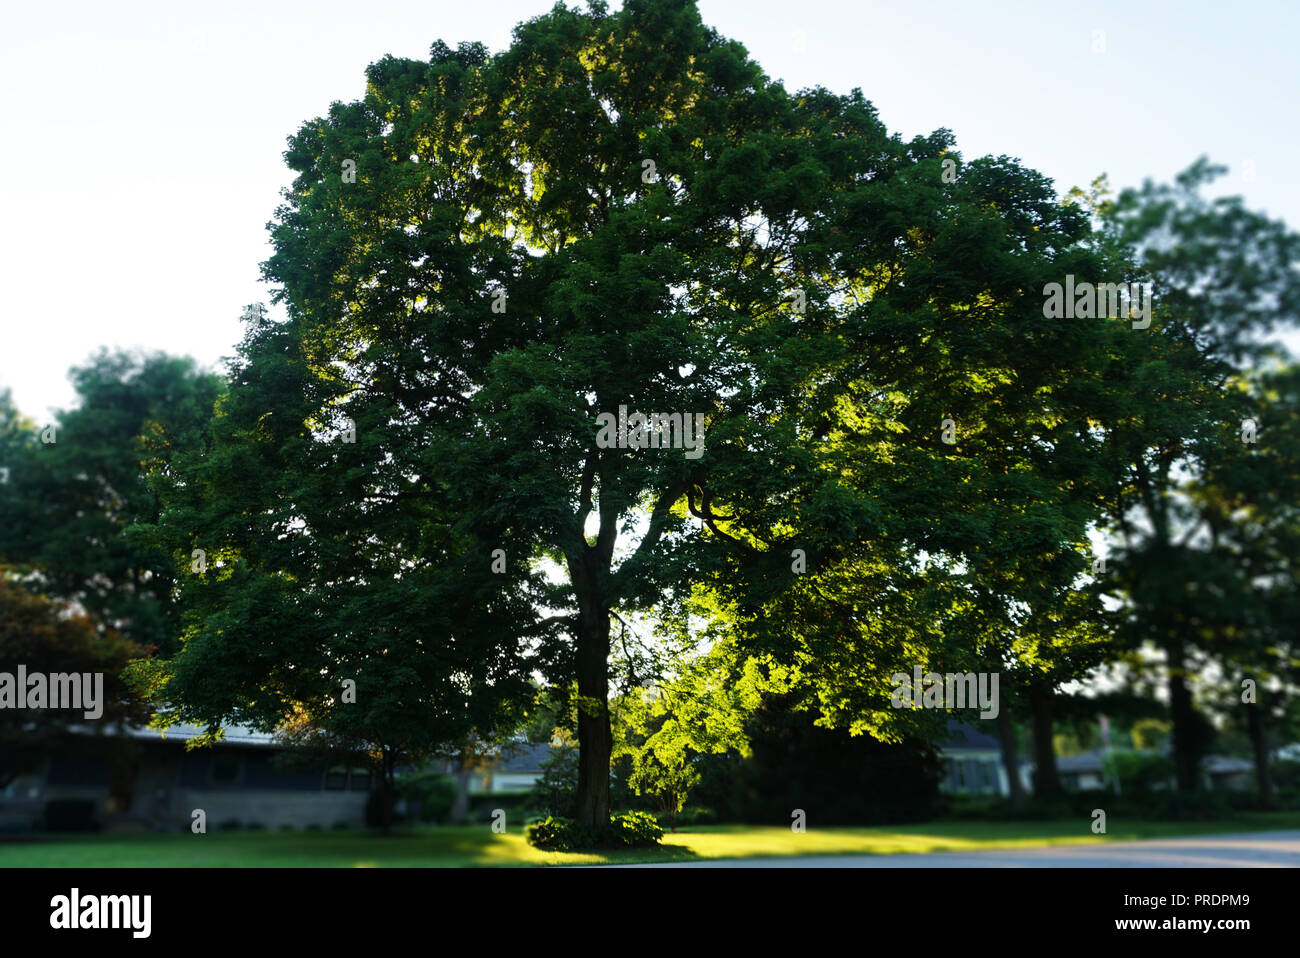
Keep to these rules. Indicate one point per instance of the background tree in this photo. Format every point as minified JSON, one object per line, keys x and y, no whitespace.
{"x":46,"y":636}
{"x":1246,"y":504}
{"x":68,"y":503}
{"x":1224,"y":278}
{"x":700,"y":709}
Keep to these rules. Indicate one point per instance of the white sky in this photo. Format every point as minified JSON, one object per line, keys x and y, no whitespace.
{"x":142,"y":141}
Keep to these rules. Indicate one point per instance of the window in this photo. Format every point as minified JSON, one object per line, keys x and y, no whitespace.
{"x":336,"y":779}
{"x":341,"y":778}
{"x":359,"y":780}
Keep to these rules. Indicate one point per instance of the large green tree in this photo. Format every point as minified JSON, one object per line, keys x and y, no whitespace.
{"x":486,"y":253}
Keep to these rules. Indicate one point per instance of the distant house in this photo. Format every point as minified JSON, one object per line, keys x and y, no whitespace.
{"x":1223,"y":771}
{"x":973,"y":765}
{"x":1082,"y":773}
{"x":1288,"y":753}
{"x":236,"y":780}
{"x":1086,"y":772}
{"x":516,"y":769}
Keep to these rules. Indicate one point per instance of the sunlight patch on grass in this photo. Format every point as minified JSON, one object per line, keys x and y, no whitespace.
{"x":477,"y":845}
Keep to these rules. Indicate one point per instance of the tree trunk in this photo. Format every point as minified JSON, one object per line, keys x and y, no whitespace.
{"x":387,"y":794}
{"x":1047,"y":781}
{"x":595,"y":737}
{"x":1183,"y":713}
{"x":1010,"y":757}
{"x":1259,"y":739}
{"x":460,"y":806}
{"x":123,"y":767}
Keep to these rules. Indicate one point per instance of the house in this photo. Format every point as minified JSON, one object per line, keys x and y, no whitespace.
{"x":973,"y":764}
{"x":237,"y":780}
{"x":1223,"y":771}
{"x":1082,"y":773}
{"x":515,"y":769}
{"x":1086,"y":772}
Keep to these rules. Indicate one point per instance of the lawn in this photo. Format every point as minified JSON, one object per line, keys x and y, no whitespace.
{"x":478,"y":846}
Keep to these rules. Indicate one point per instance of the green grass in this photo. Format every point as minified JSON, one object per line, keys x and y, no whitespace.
{"x":477,"y":846}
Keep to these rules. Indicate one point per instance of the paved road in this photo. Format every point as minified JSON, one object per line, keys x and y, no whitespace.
{"x":1250,"y":850}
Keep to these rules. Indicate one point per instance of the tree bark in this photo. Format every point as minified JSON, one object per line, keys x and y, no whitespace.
{"x":595,"y":737}
{"x":1183,"y":713}
{"x":388,"y":792}
{"x":1010,"y":757}
{"x":460,"y":806}
{"x":1259,"y":739}
{"x":1047,"y":780}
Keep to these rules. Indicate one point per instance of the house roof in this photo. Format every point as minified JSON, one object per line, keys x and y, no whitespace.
{"x":1226,"y":765}
{"x":964,"y":737}
{"x":1085,"y":762}
{"x":1092,"y":762}
{"x":235,"y":734}
{"x":524,"y":757}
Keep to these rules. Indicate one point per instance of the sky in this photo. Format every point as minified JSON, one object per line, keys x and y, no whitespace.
{"x":142,"y":142}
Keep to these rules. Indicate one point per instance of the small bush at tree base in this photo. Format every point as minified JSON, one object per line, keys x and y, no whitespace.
{"x":636,"y":829}
{"x":629,"y":830}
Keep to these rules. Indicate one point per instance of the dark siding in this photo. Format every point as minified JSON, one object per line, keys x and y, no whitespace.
{"x":76,"y":770}
{"x":261,"y":772}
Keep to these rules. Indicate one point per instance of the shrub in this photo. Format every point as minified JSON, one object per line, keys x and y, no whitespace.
{"x":375,"y":803}
{"x":229,"y":825}
{"x":1286,"y":773}
{"x":636,"y":830}
{"x":1139,"y":771}
{"x":629,"y":830}
{"x":429,"y":795}
{"x":1195,"y":805}
{"x":515,"y":806}
{"x":559,"y":834}
{"x":848,"y":779}
{"x":696,"y":816}
{"x":70,"y":815}
{"x":553,"y":795}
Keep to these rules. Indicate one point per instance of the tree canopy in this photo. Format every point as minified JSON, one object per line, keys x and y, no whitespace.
{"x":408,"y":513}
